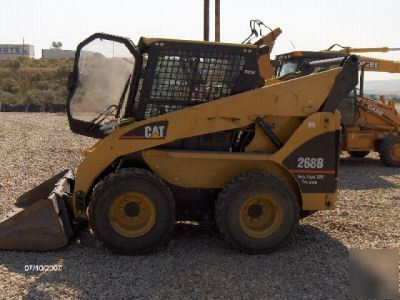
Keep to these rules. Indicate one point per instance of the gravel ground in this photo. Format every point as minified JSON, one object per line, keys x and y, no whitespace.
{"x":197,"y":263}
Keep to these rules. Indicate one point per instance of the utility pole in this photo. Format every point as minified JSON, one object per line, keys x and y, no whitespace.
{"x":206,"y":20}
{"x":217,"y":20}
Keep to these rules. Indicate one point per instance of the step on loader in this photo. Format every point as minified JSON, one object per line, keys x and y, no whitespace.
{"x":187,"y":130}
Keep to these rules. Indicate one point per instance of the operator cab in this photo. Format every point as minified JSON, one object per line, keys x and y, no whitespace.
{"x":293,"y":62}
{"x":115,"y":82}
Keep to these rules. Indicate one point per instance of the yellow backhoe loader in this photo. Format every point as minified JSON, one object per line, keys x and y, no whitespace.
{"x":187,"y":130}
{"x":369,"y":125}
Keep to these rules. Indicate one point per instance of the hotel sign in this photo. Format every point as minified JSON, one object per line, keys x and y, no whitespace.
{"x":14,"y":49}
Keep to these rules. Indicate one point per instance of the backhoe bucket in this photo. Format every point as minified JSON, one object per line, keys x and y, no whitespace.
{"x":44,"y":224}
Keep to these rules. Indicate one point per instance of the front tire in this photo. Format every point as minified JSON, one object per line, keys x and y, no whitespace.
{"x":257,"y":213}
{"x":132,"y":211}
{"x":389,"y":151}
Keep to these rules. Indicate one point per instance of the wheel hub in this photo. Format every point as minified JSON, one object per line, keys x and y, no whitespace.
{"x":255,"y":211}
{"x":132,"y":214}
{"x":260,"y":215}
{"x":396,"y":152}
{"x":132,"y":209}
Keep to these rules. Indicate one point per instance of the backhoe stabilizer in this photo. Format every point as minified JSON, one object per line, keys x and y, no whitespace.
{"x":45,"y":223}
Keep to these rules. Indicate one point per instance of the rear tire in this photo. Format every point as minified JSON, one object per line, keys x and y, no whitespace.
{"x":132,"y":211}
{"x":389,"y":151}
{"x":306,"y":213}
{"x":358,"y":154}
{"x":257,"y":213}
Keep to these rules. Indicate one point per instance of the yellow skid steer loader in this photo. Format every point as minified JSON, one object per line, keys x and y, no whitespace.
{"x":187,"y":130}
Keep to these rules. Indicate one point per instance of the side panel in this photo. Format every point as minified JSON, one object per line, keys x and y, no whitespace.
{"x":308,"y":162}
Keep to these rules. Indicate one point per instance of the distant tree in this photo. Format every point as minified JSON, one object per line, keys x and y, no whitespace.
{"x":56,"y":45}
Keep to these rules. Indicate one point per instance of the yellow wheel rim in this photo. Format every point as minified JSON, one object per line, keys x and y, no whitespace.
{"x":132,"y":214}
{"x":396,"y":152}
{"x":260,"y":215}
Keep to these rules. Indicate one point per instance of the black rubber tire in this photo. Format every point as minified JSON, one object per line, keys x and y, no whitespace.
{"x":306,"y":213}
{"x":132,"y":180}
{"x":385,"y":149}
{"x":358,"y":154}
{"x":236,"y":192}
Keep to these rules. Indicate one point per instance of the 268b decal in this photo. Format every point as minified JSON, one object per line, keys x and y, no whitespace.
{"x":310,"y":163}
{"x":313,"y":164}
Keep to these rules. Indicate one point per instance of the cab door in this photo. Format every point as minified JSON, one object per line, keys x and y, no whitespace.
{"x":102,"y":84}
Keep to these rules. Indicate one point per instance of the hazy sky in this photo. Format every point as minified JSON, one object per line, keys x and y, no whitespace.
{"x":308,"y":24}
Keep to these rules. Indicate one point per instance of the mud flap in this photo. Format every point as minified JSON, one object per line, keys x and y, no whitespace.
{"x":44,"y":225}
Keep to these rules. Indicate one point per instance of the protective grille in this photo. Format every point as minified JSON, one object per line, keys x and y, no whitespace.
{"x":185,"y":78}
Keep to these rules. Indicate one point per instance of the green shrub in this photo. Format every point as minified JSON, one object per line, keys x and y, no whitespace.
{"x":36,"y":81}
{"x":62,"y":72}
{"x":35,"y":77}
{"x":6,"y":97}
{"x":9,"y":85}
{"x":33,"y":96}
{"x":49,"y":96}
{"x":14,"y":64}
{"x":43,"y":85}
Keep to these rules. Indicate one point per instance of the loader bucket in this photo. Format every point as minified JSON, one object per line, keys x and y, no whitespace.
{"x":41,"y":191}
{"x":45,"y":224}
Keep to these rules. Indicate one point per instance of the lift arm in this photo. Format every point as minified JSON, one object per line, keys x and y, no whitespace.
{"x":350,"y":50}
{"x":372,"y":64}
{"x":266,"y":44}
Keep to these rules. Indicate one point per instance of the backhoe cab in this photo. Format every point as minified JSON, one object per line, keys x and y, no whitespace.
{"x":188,"y":130}
{"x":369,"y":125}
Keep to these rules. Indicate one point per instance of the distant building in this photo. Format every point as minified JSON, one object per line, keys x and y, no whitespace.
{"x":57,"y":53}
{"x":16,"y":50}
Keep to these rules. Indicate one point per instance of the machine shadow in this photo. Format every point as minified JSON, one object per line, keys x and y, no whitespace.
{"x":196,"y":260}
{"x":365,"y":174}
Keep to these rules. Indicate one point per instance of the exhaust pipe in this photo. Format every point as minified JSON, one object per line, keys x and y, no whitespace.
{"x":45,"y":223}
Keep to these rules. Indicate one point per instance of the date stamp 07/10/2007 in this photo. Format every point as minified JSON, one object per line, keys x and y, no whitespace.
{"x":43,"y":268}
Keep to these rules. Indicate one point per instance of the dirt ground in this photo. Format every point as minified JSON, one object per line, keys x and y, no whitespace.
{"x":197,"y":263}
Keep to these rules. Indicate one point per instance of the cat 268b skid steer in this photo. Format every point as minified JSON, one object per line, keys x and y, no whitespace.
{"x":187,"y":130}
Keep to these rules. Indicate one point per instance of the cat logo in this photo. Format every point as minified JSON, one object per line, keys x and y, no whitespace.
{"x":156,"y":130}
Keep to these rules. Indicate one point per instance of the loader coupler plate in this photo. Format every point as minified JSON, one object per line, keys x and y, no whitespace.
{"x":44,"y":225}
